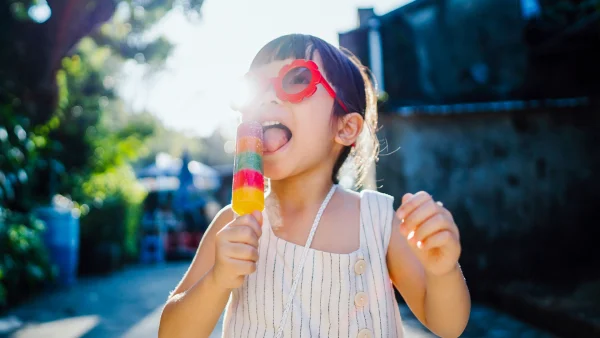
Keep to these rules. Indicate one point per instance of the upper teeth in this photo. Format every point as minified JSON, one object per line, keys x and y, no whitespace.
{"x":270,"y":123}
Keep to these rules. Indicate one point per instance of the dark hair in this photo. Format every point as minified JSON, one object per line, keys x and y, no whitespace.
{"x":353,"y":85}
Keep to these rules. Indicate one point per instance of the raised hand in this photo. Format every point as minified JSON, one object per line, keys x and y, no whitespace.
{"x":431,"y":232}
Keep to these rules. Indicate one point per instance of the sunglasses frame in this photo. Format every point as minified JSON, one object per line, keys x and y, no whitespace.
{"x":316,"y":79}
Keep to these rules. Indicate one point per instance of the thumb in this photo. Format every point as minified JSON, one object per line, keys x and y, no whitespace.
{"x":258,"y":216}
{"x":406,"y":197}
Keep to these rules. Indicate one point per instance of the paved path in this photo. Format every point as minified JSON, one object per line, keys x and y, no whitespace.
{"x":127,"y":304}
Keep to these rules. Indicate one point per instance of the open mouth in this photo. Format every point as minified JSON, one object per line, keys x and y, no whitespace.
{"x":276,"y":135}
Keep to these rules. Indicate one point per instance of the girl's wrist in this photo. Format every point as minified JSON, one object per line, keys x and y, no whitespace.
{"x":451,"y":273}
{"x":214,"y":284}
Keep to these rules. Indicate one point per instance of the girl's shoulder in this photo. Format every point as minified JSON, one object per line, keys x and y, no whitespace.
{"x":377,"y":214}
{"x":368,"y":198}
{"x":359,"y":194}
{"x":374,"y":194}
{"x":382,"y":200}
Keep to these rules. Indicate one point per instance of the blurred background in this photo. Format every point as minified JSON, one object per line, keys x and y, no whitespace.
{"x":116,"y":142}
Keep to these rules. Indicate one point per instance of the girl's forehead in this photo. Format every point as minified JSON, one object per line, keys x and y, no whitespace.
{"x":272,"y":68}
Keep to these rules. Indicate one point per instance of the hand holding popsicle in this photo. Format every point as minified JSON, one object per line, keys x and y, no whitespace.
{"x":236,"y":247}
{"x":236,"y":250}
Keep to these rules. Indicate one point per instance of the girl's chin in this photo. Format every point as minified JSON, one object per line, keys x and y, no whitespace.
{"x":274,"y":174}
{"x":275,"y":164}
{"x":277,"y":171}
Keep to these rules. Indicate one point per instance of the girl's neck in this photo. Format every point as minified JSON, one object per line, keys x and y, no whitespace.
{"x":301,"y":192}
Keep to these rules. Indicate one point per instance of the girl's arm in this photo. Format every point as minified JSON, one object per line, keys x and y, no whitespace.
{"x":440,"y":301}
{"x":195,"y":306}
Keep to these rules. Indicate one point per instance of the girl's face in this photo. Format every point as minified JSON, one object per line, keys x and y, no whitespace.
{"x":298,"y":137}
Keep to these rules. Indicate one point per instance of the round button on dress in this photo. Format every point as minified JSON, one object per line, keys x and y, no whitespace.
{"x":360,"y":299}
{"x":360,"y":267}
{"x":365,"y":333}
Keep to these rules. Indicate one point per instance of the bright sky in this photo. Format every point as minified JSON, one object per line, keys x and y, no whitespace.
{"x":191,"y":94}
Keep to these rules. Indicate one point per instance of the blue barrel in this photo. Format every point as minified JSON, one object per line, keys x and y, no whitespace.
{"x":62,"y":241}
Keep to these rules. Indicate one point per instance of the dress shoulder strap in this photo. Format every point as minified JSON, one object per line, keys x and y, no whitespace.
{"x":377,"y":216}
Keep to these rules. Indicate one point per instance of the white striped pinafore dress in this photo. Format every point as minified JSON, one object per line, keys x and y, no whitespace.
{"x":338,"y":295}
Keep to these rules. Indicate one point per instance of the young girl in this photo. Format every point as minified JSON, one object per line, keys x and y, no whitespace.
{"x":326,"y":267}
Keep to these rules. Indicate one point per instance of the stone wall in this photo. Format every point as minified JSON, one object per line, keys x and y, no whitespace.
{"x":523,"y":186}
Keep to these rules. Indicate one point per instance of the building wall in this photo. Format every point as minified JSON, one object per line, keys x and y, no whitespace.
{"x":452,"y":51}
{"x":471,"y":46}
{"x":522,"y":186}
{"x":357,"y":42}
{"x":465,"y":50}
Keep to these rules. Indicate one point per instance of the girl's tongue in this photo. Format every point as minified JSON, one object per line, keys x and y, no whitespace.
{"x":275,"y":138}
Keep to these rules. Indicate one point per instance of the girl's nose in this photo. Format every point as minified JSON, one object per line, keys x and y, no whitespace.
{"x":269,"y":96}
{"x":262,"y":96}
{"x":261,"y":103}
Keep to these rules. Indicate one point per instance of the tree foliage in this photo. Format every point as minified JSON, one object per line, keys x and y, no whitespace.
{"x":63,"y":129}
{"x":32,"y":52}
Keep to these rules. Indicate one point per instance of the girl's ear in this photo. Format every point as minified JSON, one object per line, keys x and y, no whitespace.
{"x":349,"y":128}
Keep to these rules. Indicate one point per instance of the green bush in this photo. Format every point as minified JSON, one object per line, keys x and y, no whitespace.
{"x":99,"y":141}
{"x":110,"y":225}
{"x":21,"y":160}
{"x":24,"y":263}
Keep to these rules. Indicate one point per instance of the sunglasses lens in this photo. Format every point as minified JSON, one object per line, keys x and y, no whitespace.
{"x":296,"y":80}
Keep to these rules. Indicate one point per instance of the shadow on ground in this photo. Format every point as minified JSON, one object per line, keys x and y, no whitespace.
{"x":128,"y":304}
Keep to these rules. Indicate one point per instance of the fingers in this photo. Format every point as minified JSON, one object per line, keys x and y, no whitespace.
{"x":452,"y":226}
{"x":421,"y":211}
{"x":436,"y":240}
{"x":242,"y":252}
{"x":253,"y":220}
{"x":419,"y":215}
{"x":245,"y":229}
{"x":258,"y":217}
{"x":240,"y":234}
{"x":412,"y":202}
{"x":242,"y":267}
{"x":433,"y":225}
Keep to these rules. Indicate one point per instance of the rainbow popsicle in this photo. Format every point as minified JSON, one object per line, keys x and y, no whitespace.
{"x":248,"y":180}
